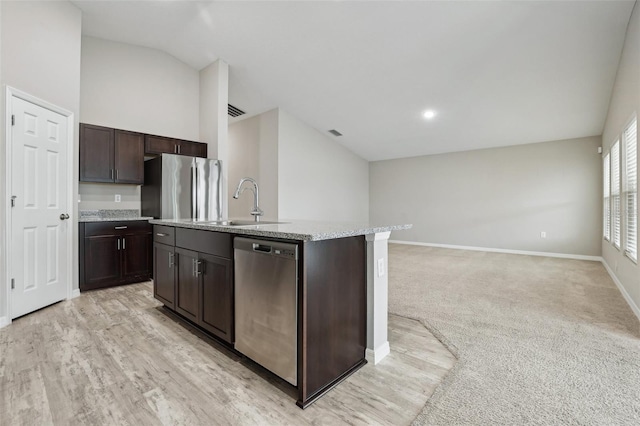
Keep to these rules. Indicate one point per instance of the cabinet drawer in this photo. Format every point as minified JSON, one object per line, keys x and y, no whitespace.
{"x":164,"y":235}
{"x":116,"y":228}
{"x":211,"y":242}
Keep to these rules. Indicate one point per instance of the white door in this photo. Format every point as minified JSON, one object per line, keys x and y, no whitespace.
{"x":39,"y":173}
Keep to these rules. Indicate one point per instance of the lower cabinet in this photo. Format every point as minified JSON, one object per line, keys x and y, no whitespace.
{"x":217,"y":295}
{"x":188,"y":285}
{"x":164,"y":274}
{"x":114,"y":253}
{"x":196,"y":284}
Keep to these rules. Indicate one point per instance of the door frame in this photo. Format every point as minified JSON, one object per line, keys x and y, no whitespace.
{"x":10,"y":93}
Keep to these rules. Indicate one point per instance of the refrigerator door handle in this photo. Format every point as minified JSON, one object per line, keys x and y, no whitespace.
{"x":194,"y":192}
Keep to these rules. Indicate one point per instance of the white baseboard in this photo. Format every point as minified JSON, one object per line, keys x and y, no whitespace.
{"x":75,"y":293}
{"x":626,"y":295}
{"x":4,"y":321}
{"x":375,"y":356}
{"x":496,"y":250}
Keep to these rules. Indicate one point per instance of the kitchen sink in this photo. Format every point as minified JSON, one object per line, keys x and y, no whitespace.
{"x":239,"y":222}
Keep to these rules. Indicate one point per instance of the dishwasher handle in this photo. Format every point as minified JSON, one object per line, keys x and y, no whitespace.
{"x":262,"y":248}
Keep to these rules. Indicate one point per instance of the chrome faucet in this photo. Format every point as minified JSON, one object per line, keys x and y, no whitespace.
{"x":256,"y":212}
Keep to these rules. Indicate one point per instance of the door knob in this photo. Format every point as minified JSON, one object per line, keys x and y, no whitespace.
{"x":64,"y":216}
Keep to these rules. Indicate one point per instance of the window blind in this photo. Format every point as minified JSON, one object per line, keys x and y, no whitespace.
{"x":615,"y":194}
{"x":631,"y":189}
{"x":606,"y":214}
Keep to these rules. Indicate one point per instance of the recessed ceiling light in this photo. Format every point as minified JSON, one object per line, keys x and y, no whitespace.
{"x":429,"y":114}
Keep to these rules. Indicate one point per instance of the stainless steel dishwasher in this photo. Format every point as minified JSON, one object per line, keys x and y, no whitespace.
{"x":266,"y":301}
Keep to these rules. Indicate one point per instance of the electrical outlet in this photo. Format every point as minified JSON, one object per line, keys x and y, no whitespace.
{"x":118,"y":198}
{"x":543,"y":234}
{"x":380,"y":267}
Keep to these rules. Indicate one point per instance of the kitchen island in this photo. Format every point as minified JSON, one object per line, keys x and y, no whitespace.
{"x":340,"y":290}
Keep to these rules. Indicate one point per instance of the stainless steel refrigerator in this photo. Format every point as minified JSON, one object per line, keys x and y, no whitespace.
{"x":181,"y":187}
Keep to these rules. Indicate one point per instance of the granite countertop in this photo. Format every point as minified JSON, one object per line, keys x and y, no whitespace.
{"x":289,"y":230}
{"x":110,"y":215}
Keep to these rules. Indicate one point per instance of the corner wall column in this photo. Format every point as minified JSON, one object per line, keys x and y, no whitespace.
{"x":377,"y":296}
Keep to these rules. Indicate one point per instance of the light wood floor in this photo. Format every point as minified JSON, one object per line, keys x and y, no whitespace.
{"x":115,"y":356}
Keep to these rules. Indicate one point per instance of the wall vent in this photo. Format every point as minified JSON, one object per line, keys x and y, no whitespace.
{"x":334,"y":132}
{"x":233,"y":111}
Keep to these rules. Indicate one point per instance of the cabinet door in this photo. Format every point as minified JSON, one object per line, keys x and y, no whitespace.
{"x":96,"y":153}
{"x":129,"y":157}
{"x":192,"y":149}
{"x":187,"y":283}
{"x":159,"y":145}
{"x":136,"y":259}
{"x":217,"y":296}
{"x":101,"y":261}
{"x":164,"y":279}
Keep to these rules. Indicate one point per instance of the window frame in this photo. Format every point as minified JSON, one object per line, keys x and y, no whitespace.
{"x":606,"y":197}
{"x":616,"y":195}
{"x":630,"y":187}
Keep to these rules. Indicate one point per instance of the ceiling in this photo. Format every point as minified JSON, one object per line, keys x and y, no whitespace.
{"x":497,"y":73}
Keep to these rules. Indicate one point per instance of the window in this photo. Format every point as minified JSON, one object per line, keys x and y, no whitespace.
{"x":606,"y":214}
{"x":615,"y":194}
{"x":631,"y":189}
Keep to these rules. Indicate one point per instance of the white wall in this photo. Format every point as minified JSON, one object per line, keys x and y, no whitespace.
{"x":244,"y":161}
{"x":40,"y":55}
{"x":302,"y":173}
{"x":253,"y":152}
{"x":268,"y":161}
{"x":496,"y":198}
{"x":318,"y":178}
{"x":214,"y":119}
{"x":625,"y":103}
{"x":134,"y":88}
{"x":137,"y":88}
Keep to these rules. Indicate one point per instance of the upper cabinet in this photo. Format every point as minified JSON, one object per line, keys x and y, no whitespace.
{"x":96,"y":153}
{"x":111,"y":155}
{"x":117,"y":156}
{"x":156,"y":145}
{"x":129,"y":157}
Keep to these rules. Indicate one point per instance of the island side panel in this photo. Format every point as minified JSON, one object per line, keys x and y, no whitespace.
{"x":333,"y":313}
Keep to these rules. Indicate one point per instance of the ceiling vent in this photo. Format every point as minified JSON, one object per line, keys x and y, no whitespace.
{"x":234,"y":112}
{"x":334,"y":132}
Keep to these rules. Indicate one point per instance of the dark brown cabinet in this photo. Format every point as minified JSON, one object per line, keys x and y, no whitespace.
{"x":188,"y":285}
{"x":156,"y":145}
{"x":110,"y":155}
{"x":129,"y":157}
{"x":202,"y":272}
{"x":114,"y":253}
{"x":217,"y":295}
{"x":96,"y":153}
{"x":164,"y":274}
{"x":194,"y":277}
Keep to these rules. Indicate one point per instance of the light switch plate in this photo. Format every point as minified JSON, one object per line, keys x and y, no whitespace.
{"x":380,"y":267}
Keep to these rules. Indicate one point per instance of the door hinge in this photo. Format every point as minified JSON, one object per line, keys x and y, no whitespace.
{"x":13,"y":120}
{"x":13,"y":283}
{"x":13,"y":201}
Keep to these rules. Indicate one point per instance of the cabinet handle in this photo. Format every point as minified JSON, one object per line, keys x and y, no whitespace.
{"x":111,"y":174}
{"x":118,"y":243}
{"x":171,"y":256}
{"x":120,"y":227}
{"x":179,"y":149}
{"x":124,"y":244}
{"x":198,"y":271}
{"x":116,"y":174}
{"x":193,"y":267}
{"x":175,"y":149}
{"x":160,"y":234}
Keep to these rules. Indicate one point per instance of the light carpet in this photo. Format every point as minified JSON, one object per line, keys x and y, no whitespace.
{"x":539,"y":340}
